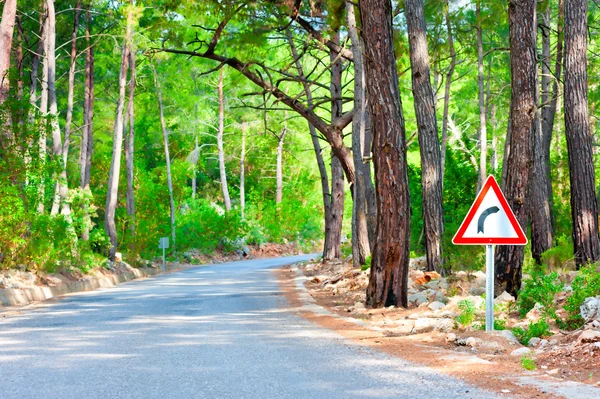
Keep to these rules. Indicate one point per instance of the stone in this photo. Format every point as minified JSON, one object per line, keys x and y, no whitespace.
{"x":439,"y":297}
{"x":444,"y":325}
{"x":588,"y":336}
{"x":118,"y":257}
{"x":533,"y":342}
{"x":552,"y":372}
{"x":477,"y":291}
{"x":479,"y":279}
{"x":590,"y":309}
{"x":418,"y":299}
{"x":520,"y":352}
{"x":450,"y":337}
{"x":505,"y":297}
{"x":359,"y":305}
{"x":423,"y":325}
{"x":436,"y":305}
{"x":535,"y":314}
{"x":418,"y":263}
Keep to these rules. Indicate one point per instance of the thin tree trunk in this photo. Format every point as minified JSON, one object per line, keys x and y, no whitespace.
{"x":85,"y":158}
{"x":115,"y":165}
{"x":242,"y":171}
{"x":7,"y":27}
{"x":222,"y":171}
{"x":130,"y":147}
{"x":43,"y":125}
{"x":279,"y":165}
{"x":482,"y":121}
{"x":429,"y":144}
{"x":361,"y":245}
{"x":541,"y":186}
{"x":523,"y":114}
{"x":584,"y":209}
{"x":388,"y":282}
{"x":167,"y":155}
{"x":449,"y":75}
{"x":35,"y":65}
{"x":194,"y":183}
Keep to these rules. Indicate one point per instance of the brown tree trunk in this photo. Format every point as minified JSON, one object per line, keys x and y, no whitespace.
{"x":165,"y":133}
{"x":482,"y":119}
{"x":7,"y":27}
{"x":584,"y":209}
{"x":523,"y":114}
{"x":222,"y":171}
{"x":85,"y":158}
{"x":429,"y":144}
{"x":361,"y":245}
{"x":389,"y":266}
{"x":115,"y":165}
{"x":449,"y":75}
{"x":130,"y":147}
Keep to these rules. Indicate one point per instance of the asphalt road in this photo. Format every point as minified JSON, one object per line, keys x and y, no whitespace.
{"x":222,"y":331}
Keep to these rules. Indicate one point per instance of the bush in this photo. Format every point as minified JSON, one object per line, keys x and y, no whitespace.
{"x":585,"y":285}
{"x":540,"y":288}
{"x":541,"y":329}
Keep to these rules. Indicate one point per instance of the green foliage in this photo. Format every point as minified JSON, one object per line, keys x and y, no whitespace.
{"x":560,"y":254}
{"x":367,"y":264}
{"x":585,"y":285}
{"x":540,"y":329}
{"x":528,"y":362}
{"x":540,"y":288}
{"x":467,"y":312}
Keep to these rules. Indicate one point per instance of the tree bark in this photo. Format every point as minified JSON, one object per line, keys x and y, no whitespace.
{"x":429,"y":144}
{"x":523,"y":114}
{"x":85,"y":158}
{"x":389,"y":267}
{"x":584,"y":209}
{"x":115,"y":165}
{"x":242,"y":171}
{"x":363,"y":186}
{"x":449,"y":75}
{"x":165,"y":133}
{"x":7,"y":27}
{"x":482,"y":121}
{"x":130,"y":147}
{"x":279,"y":165}
{"x":222,"y":171}
{"x":43,"y":125}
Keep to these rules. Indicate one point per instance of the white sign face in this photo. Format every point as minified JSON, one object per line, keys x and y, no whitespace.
{"x":163,"y":242}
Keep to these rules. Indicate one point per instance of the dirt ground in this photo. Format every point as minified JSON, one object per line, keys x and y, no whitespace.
{"x":481,"y":358}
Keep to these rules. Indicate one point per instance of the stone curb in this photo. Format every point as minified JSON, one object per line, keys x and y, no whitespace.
{"x":25,"y":296}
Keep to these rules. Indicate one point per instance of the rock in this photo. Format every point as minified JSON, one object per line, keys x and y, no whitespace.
{"x":436,"y":305}
{"x":477,"y":291}
{"x":118,"y":257}
{"x":590,"y":309}
{"x":479,"y":280}
{"x":505,"y":297}
{"x":450,"y":337}
{"x":552,"y":372}
{"x":533,"y":342}
{"x":543,"y":343}
{"x":439,"y":297}
{"x":588,"y":336}
{"x":473,"y":342}
{"x":520,"y":352}
{"x":445,"y":325}
{"x":418,"y":263}
{"x":535,"y":314}
{"x":418,"y":299}
{"x":423,"y":325}
{"x":359,"y":305}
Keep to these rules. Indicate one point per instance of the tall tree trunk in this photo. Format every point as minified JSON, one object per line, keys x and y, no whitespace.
{"x":85,"y":158}
{"x":165,"y":133}
{"x":584,"y":209}
{"x":35,"y":66}
{"x":279,"y":165}
{"x":196,"y":149}
{"x":43,"y":124}
{"x":449,"y":75}
{"x":523,"y":114}
{"x":363,"y":186}
{"x":130,"y":147}
{"x":318,"y":151}
{"x":7,"y":27}
{"x":429,"y":144}
{"x":389,"y":266}
{"x":242,"y":171}
{"x":541,"y":186}
{"x":482,"y":121}
{"x":222,"y":171}
{"x":115,"y":165}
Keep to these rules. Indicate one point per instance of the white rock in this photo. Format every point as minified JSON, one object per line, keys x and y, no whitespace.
{"x":479,"y":280}
{"x":520,"y":352}
{"x":535,"y":314}
{"x":418,"y":299}
{"x":590,"y":309}
{"x":477,"y":291}
{"x":450,"y":337}
{"x":533,"y":342}
{"x":589,"y":336}
{"x":504,"y":298}
{"x":436,"y":305}
{"x":423,"y":325}
{"x":359,"y":305}
{"x":118,"y":257}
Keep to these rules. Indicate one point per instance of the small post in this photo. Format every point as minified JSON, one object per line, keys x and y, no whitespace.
{"x":164,"y":263}
{"x":163,"y":243}
{"x":489,"y":288}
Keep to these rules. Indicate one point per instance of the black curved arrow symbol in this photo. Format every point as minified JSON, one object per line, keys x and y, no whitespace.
{"x":484,"y":215}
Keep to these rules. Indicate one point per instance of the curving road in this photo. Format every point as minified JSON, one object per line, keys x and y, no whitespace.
{"x":221,"y":331}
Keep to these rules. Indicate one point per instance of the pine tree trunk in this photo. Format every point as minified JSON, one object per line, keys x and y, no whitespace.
{"x":165,"y":133}
{"x":429,"y":144}
{"x":333,"y":225}
{"x":85,"y":158}
{"x":361,"y":246}
{"x":523,"y":114}
{"x":242,"y":171}
{"x":115,"y":165}
{"x":7,"y":27}
{"x":389,"y":267}
{"x":130,"y":148}
{"x":482,"y":121}
{"x":43,"y":115}
{"x":222,"y":171}
{"x":449,"y":75}
{"x":584,"y":209}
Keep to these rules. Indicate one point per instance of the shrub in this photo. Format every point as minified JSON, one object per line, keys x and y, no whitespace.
{"x":467,"y":312}
{"x":586,"y":284}
{"x":540,"y":329}
{"x":540,"y":288}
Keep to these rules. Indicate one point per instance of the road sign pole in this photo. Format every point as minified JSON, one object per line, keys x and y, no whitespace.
{"x":164,"y":263}
{"x":489,"y":288}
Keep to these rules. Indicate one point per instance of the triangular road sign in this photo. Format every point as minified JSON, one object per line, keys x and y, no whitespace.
{"x":490,"y":220}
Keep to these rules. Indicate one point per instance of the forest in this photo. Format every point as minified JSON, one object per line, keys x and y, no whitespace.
{"x":361,"y":128}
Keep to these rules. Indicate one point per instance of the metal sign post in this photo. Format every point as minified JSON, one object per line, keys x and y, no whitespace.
{"x":489,"y":288}
{"x":163,"y":243}
{"x":490,"y":222}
